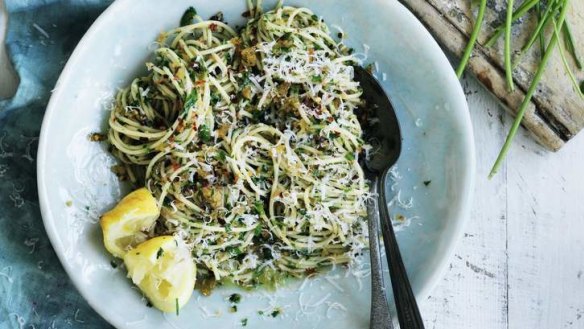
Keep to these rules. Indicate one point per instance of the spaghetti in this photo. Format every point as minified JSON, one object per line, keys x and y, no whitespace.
{"x":249,"y":142}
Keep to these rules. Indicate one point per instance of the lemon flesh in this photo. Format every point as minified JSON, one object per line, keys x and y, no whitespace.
{"x":164,"y":270}
{"x":124,"y":226}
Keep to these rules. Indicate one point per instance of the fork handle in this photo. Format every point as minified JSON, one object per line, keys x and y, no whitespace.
{"x":380,"y":317}
{"x":408,"y":313}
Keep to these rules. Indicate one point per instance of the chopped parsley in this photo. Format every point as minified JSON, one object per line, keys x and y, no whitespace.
{"x":258,"y":206}
{"x":257,"y":230}
{"x":191,"y":100}
{"x":176,"y":306}
{"x":187,"y":17}
{"x":205,"y":133}
{"x":234,"y":251}
{"x":217,"y":17}
{"x":350,"y":156}
{"x":159,"y":253}
{"x":244,"y":322}
{"x":221,"y":155}
{"x":215,"y":98}
{"x":427,"y":182}
{"x":233,"y":309}
{"x":235,"y":298}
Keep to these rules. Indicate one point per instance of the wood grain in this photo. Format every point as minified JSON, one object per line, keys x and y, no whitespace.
{"x":545,"y":235}
{"x":556,"y":113}
{"x":520,"y":263}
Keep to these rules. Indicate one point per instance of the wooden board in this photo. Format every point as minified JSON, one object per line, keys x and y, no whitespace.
{"x":556,"y":112}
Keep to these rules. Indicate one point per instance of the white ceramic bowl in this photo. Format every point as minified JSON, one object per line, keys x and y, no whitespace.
{"x":438,"y":147}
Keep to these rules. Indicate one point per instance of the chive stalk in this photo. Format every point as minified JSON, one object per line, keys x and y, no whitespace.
{"x":508,"y":69}
{"x":550,"y":11}
{"x":539,"y":12}
{"x":522,"y":10}
{"x":569,"y":40}
{"x":565,"y":61}
{"x":473,"y":38}
{"x":521,"y":111}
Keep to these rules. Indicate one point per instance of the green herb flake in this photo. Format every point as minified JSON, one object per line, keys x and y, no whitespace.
{"x":235,"y":298}
{"x":205,"y":133}
{"x":294,"y":89}
{"x":350,"y":156}
{"x":159,"y":253}
{"x":257,"y":230}
{"x":187,"y":17}
{"x":221,"y":156}
{"x":234,"y":251}
{"x":257,"y":115}
{"x":275,"y":313}
{"x":316,"y":78}
{"x":244,"y":322}
{"x":114,"y":264}
{"x":260,"y":312}
{"x":233,"y":309}
{"x":176,"y":306}
{"x":427,"y":182}
{"x":191,"y":100}
{"x":227,"y":227}
{"x":215,"y":98}
{"x":258,"y":206}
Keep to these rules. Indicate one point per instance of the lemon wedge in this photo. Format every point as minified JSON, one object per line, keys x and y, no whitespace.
{"x":164,"y":270}
{"x":123,"y":227}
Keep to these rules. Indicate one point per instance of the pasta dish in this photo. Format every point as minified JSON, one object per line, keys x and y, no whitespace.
{"x":249,"y":143}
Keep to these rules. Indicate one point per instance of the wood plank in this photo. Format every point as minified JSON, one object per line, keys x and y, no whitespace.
{"x":473,"y":294}
{"x":556,"y":113}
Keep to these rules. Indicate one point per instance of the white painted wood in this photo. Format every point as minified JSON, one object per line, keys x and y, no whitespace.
{"x":527,"y":229}
{"x":521,"y":261}
{"x":473,"y":294}
{"x":545,"y":236}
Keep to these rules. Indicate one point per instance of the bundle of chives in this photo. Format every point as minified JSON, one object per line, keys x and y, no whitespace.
{"x":551,"y":15}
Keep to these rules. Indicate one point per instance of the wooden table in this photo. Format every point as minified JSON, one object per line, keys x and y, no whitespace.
{"x":520,"y":263}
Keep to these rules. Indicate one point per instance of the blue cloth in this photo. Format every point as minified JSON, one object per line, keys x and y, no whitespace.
{"x":35,"y":291}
